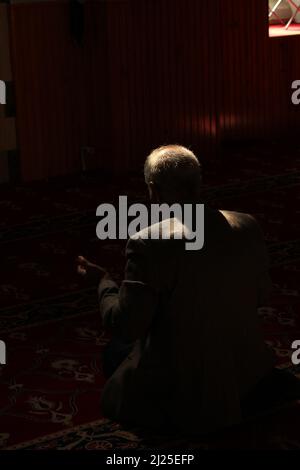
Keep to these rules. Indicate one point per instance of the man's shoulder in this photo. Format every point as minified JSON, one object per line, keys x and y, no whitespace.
{"x":240,"y":220}
{"x":244,"y":225}
{"x":171,"y":228}
{"x":159,"y":236}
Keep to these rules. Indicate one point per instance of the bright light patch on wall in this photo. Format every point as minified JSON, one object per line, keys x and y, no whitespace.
{"x":284,"y":17}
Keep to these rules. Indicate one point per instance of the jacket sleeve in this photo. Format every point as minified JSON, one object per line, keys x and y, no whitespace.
{"x":264,"y":283}
{"x":264,"y":280}
{"x":128,"y":311}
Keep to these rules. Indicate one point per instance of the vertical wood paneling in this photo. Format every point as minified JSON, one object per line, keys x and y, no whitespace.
{"x":197,"y":72}
{"x":162,"y":76}
{"x":61,"y":89}
{"x":257,"y":74}
{"x":8,"y":141}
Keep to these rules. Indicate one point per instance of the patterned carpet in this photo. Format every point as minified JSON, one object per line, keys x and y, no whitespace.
{"x":50,"y":389}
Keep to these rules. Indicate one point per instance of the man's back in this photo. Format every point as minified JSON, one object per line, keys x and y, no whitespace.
{"x":193,"y":315}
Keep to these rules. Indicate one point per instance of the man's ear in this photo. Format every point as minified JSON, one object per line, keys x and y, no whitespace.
{"x":153,"y":193}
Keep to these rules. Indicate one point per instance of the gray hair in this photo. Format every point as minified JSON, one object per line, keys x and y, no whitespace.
{"x":175,"y":170}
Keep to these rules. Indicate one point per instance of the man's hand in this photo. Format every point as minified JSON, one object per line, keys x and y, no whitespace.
{"x":90,"y":271}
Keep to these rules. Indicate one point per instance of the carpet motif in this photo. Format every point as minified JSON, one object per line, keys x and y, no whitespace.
{"x":50,"y":390}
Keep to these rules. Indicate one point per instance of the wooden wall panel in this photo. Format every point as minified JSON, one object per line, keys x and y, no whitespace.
{"x":61,"y":88}
{"x":257,"y":73}
{"x":8,"y":142}
{"x":161,"y":86}
{"x":197,"y":72}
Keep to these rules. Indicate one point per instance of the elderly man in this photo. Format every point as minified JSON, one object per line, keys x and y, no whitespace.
{"x":187,"y":349}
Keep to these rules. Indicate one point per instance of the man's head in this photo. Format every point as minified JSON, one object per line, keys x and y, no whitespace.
{"x":173,"y":174}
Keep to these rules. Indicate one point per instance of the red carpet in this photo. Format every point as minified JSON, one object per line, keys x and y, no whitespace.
{"x":49,"y":320}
